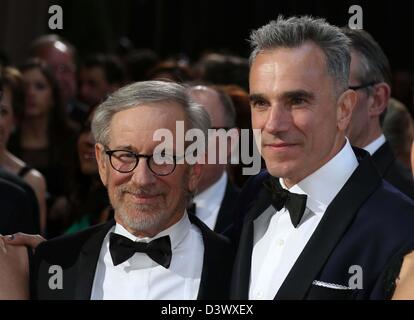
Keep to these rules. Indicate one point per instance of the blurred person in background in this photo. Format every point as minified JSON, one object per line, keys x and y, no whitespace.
{"x":87,"y":202}
{"x":45,"y":139}
{"x":370,"y":78}
{"x":61,"y":56}
{"x":99,"y":76}
{"x":11,"y":107}
{"x":398,"y":129}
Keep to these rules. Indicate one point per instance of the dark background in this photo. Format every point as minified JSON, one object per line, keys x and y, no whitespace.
{"x":173,"y":27}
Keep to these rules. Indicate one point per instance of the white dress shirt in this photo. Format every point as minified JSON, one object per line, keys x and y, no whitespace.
{"x":277,"y":243}
{"x":209,"y":201}
{"x":375,"y":145}
{"x":141,"y":278}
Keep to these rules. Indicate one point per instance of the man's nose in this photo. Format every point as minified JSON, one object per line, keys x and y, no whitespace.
{"x":142,"y":175}
{"x":279,"y":119}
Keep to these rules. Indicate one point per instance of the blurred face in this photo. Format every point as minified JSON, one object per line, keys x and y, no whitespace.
{"x":144,"y":203}
{"x":60,"y":58}
{"x":210,"y":101}
{"x":357,"y":131}
{"x":294,"y":104}
{"x":39,"y":99}
{"x":93,"y":86}
{"x":86,"y":149}
{"x":6,"y":117}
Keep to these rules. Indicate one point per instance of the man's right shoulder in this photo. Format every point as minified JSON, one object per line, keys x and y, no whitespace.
{"x":70,"y":245}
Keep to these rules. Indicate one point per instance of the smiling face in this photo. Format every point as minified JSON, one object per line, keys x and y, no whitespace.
{"x":144,"y":203}
{"x":295,"y":105}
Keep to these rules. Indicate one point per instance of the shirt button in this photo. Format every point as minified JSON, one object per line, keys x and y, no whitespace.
{"x":280,"y":242}
{"x":259,"y":294}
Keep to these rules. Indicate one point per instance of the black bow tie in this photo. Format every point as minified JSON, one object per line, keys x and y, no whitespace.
{"x":122,"y":248}
{"x":192,"y":208}
{"x":294,"y":203}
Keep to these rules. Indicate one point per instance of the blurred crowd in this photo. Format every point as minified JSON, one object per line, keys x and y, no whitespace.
{"x":47,"y":104}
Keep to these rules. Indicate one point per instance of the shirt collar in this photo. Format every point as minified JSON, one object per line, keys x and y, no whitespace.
{"x":208,"y":198}
{"x":177,"y":232}
{"x":323,"y":185}
{"x":375,"y":145}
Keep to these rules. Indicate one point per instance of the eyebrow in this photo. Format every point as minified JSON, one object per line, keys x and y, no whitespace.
{"x":289,"y":95}
{"x":125,"y":147}
{"x":298,"y":94}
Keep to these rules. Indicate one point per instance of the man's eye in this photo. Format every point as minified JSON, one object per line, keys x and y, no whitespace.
{"x":127,"y":156}
{"x":258,"y":104}
{"x":297,"y":101}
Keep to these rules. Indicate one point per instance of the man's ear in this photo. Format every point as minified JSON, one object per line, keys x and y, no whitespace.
{"x":101,"y":160}
{"x":380,"y":98}
{"x":196,"y":172}
{"x":345,"y":105}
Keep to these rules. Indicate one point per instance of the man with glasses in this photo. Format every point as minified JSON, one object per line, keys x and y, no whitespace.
{"x":153,"y":249}
{"x":370,"y":77}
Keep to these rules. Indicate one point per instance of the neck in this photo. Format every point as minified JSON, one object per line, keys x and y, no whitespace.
{"x":372,"y":133}
{"x":337,"y":147}
{"x":210,"y":178}
{"x":148,"y":232}
{"x":35,"y":129}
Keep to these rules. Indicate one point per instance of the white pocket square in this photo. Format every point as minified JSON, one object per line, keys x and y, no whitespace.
{"x":330,"y":285}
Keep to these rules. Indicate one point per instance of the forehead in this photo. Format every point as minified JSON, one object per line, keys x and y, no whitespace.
{"x":210,"y":101}
{"x":289,"y":68}
{"x":33,"y":73}
{"x":57,"y":53}
{"x":136,"y":126}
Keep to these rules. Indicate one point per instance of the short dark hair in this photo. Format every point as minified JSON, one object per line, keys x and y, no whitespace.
{"x":111,"y":66}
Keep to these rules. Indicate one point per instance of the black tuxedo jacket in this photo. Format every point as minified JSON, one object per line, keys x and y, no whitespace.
{"x":393,"y":171}
{"x":368,"y":224}
{"x":78,"y":256}
{"x":226,"y":213}
{"x":15,"y":209}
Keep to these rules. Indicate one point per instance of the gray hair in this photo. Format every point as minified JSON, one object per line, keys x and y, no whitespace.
{"x":146,"y":92}
{"x":374,"y":66}
{"x":295,"y":31}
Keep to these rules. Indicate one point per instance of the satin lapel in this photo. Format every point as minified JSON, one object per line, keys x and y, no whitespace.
{"x":208,"y":288}
{"x":383,"y":158}
{"x":225,"y":214}
{"x":242,"y":265}
{"x":337,"y":218}
{"x":88,"y":260}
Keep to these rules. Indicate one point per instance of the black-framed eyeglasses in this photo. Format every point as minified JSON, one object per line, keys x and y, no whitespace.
{"x":125,"y":161}
{"x":362,"y":86}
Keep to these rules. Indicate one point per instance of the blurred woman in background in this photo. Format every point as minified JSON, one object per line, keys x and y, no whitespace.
{"x":44,"y":138}
{"x":11,"y":108}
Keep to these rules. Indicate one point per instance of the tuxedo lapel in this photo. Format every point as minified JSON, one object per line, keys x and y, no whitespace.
{"x":242,"y":265}
{"x":88,"y":259}
{"x":337,"y":218}
{"x":217,"y":263}
{"x":225,"y":214}
{"x":383,"y":158}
